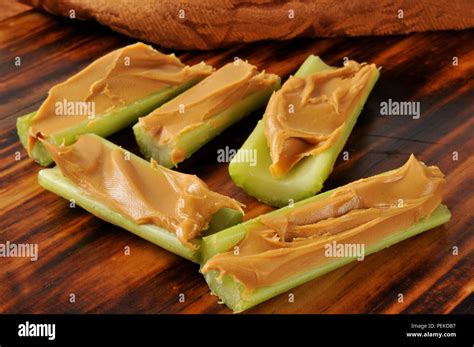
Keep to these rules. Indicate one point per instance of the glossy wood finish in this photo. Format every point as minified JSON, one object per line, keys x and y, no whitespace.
{"x":81,"y":254}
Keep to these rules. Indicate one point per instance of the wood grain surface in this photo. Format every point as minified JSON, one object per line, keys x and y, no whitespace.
{"x":82,"y":255}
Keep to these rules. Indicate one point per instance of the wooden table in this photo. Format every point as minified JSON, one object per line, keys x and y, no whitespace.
{"x":82,"y":255}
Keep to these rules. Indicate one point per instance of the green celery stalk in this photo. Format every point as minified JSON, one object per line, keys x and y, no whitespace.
{"x":103,"y":125}
{"x":54,"y":181}
{"x":193,"y":139}
{"x":231,"y":291}
{"x":307,"y":177}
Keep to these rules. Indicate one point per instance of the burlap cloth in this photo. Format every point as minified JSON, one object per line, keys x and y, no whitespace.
{"x":207,"y":24}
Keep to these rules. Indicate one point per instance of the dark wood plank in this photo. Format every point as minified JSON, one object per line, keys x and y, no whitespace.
{"x":12,"y":8}
{"x":83,"y":255}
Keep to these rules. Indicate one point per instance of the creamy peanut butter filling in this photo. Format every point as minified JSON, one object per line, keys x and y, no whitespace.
{"x":204,"y":101}
{"x":147,"y":194}
{"x":308,"y":115}
{"x":363,"y":212}
{"x":117,"y":79}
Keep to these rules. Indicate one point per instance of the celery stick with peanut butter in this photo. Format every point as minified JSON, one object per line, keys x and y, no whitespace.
{"x":261,"y":258}
{"x":174,"y":131}
{"x":165,"y":207}
{"x":305,"y":126}
{"x":106,"y":96}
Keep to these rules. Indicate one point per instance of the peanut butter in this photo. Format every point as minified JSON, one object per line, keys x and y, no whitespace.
{"x":204,"y":101}
{"x":363,"y":212}
{"x":117,"y":79}
{"x":308,"y":115}
{"x":147,"y":194}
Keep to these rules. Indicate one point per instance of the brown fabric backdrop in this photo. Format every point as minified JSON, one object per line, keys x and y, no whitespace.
{"x":210,"y":24}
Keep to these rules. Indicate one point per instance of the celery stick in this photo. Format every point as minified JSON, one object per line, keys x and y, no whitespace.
{"x":192,"y":140}
{"x":307,"y":177}
{"x":103,"y":125}
{"x":231,"y":291}
{"x":54,"y":181}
